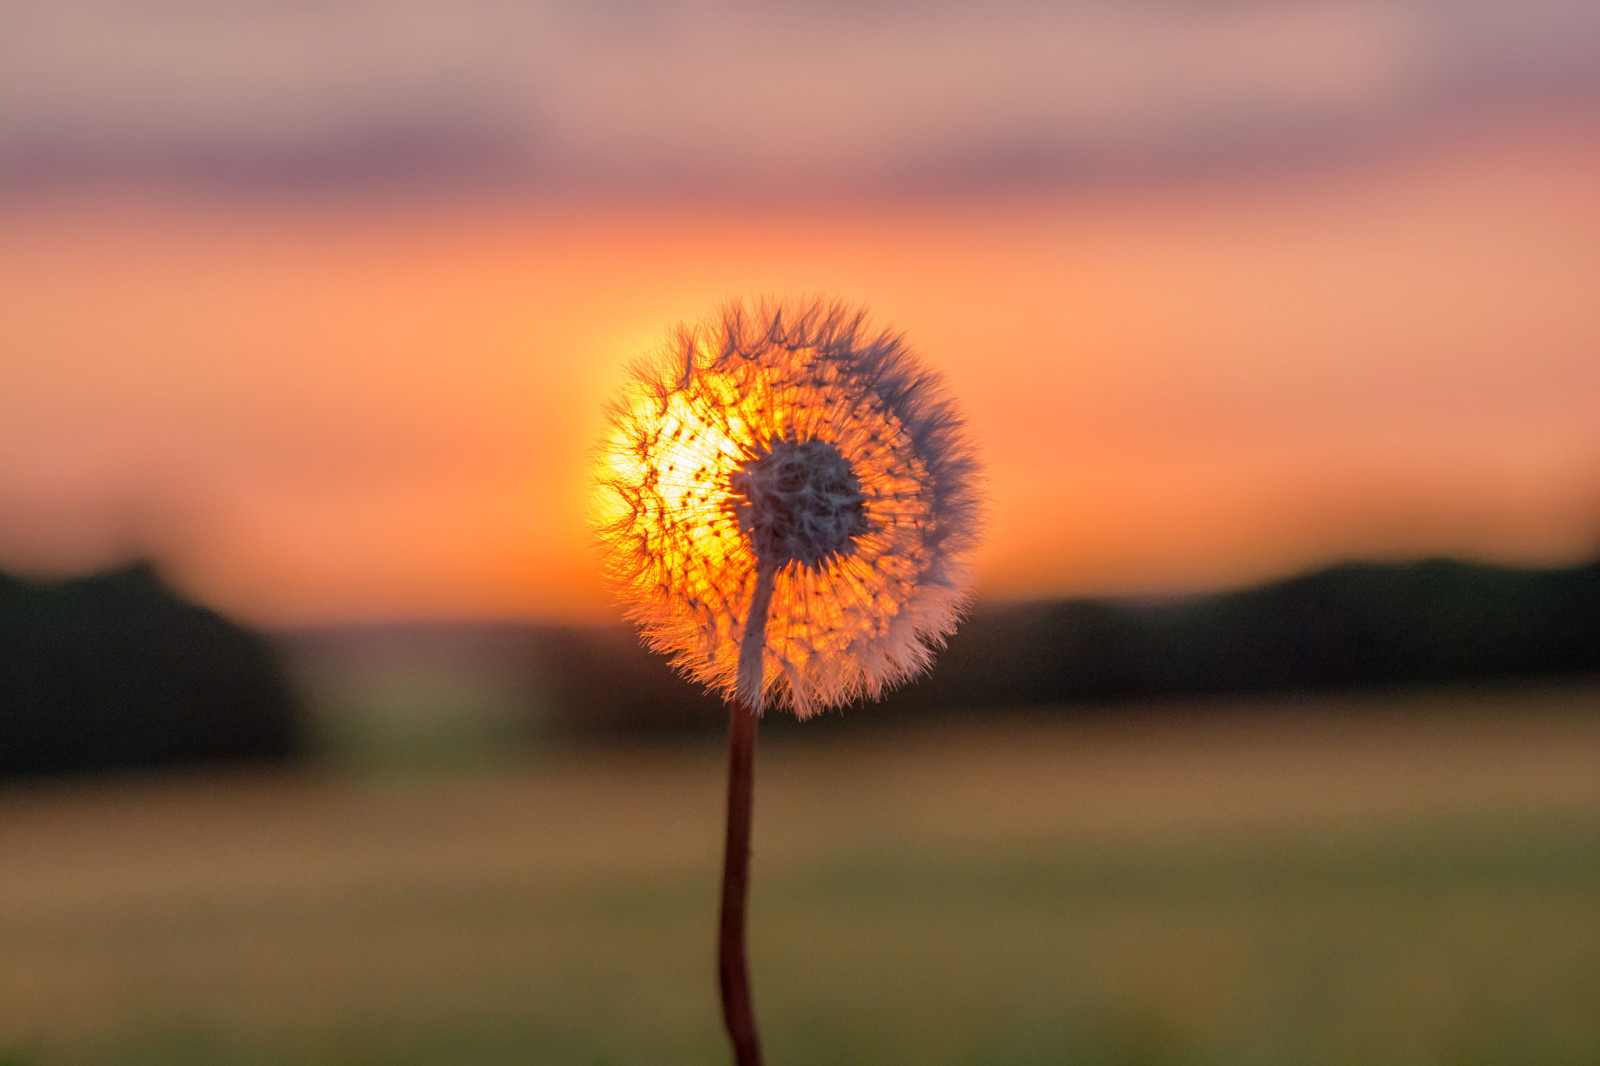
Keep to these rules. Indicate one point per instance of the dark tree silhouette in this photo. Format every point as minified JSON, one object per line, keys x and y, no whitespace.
{"x":1354,"y":626}
{"x":115,"y":670}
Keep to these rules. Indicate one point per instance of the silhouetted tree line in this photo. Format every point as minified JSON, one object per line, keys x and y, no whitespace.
{"x":1348,"y":627}
{"x":115,"y":670}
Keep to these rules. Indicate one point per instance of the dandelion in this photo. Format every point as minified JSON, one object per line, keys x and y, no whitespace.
{"x":786,"y":501}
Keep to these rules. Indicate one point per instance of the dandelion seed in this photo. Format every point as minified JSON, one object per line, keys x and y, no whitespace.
{"x":787,"y":498}
{"x":791,"y":444}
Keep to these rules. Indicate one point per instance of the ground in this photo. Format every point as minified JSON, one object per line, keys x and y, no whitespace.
{"x":1398,"y":879}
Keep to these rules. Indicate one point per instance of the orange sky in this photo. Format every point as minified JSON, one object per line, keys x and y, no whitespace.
{"x":315,"y":411}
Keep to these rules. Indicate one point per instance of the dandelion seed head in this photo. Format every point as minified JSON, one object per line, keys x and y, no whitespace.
{"x":798,"y":501}
{"x":796,"y":438}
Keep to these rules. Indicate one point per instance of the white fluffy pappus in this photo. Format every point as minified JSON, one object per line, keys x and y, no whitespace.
{"x":792,"y":462}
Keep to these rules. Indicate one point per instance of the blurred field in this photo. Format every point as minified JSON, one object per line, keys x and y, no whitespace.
{"x":1409,"y":880}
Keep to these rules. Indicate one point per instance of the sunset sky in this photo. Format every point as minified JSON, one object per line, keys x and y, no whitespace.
{"x":318,"y":304}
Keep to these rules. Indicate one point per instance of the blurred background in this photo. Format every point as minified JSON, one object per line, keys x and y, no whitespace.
{"x":1273,"y":736}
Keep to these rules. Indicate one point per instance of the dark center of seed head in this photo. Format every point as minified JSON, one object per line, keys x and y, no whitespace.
{"x":798,"y":502}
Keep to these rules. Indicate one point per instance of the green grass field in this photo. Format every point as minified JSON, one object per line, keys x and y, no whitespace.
{"x":1405,"y":881}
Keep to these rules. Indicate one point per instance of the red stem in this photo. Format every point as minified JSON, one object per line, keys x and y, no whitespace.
{"x":734,"y":978}
{"x":744,"y":714}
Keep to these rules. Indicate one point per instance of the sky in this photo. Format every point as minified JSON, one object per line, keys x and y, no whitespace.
{"x":319,"y":303}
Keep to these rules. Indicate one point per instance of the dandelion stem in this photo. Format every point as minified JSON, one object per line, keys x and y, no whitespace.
{"x":744,"y":714}
{"x":754,"y":642}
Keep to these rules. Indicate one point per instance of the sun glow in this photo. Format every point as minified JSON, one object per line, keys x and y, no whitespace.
{"x":687,"y":458}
